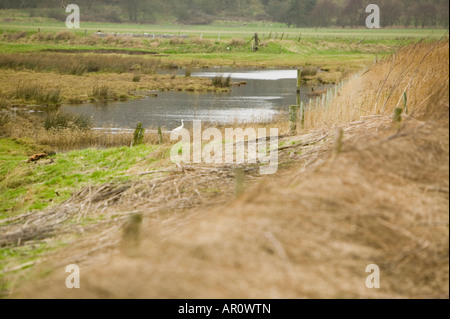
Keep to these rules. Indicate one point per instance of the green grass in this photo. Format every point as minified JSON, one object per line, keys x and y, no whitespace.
{"x":28,"y":186}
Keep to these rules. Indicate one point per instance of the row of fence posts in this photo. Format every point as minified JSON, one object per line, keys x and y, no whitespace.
{"x":323,"y":102}
{"x":139,"y":134}
{"x":272,"y":35}
{"x":219,"y":36}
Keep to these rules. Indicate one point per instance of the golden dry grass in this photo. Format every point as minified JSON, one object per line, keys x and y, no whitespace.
{"x":383,"y":201}
{"x":80,"y":88}
{"x":420,"y":70}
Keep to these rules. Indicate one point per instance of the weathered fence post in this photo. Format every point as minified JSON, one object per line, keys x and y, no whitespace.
{"x":299,"y":103}
{"x":256,"y":47}
{"x":299,"y":84}
{"x":293,"y":118}
{"x":303,"y":114}
{"x":139,"y":132}
{"x":160,"y":136}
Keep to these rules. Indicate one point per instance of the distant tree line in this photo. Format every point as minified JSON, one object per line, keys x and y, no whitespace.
{"x":299,"y":13}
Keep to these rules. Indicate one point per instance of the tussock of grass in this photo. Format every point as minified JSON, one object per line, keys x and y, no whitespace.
{"x":137,"y":77}
{"x":62,"y":120}
{"x":37,"y":93}
{"x":221,"y":82}
{"x":103,"y":92}
{"x":310,"y":71}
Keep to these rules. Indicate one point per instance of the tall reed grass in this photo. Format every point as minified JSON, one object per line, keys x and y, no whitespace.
{"x":421,"y":71}
{"x":63,"y":120}
{"x":37,"y":93}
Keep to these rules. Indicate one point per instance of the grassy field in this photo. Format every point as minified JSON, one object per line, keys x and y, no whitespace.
{"x":218,"y":32}
{"x":15,"y":20}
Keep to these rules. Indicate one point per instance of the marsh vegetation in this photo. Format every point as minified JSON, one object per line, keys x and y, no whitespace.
{"x":89,"y":184}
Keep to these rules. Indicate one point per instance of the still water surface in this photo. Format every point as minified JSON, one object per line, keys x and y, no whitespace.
{"x":267,"y":93}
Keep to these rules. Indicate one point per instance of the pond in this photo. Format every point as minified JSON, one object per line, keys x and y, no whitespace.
{"x":266,"y":94}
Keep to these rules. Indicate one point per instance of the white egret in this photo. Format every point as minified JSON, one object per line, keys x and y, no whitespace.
{"x":179,"y":129}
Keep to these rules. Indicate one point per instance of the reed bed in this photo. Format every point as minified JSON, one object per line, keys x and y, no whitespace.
{"x":420,"y":71}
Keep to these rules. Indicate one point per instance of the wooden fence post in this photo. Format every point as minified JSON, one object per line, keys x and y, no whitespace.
{"x":299,"y":103}
{"x":293,"y":118}
{"x":299,"y":84}
{"x":139,"y":133}
{"x":256,"y":47}
{"x":160,"y":136}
